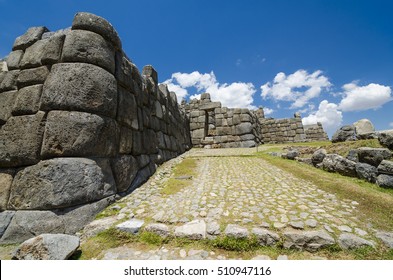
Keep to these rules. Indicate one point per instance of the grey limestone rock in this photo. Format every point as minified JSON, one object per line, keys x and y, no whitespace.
{"x":265,"y":237}
{"x":131,"y":226}
{"x":353,"y":155}
{"x":32,"y":76}
{"x":351,"y":241}
{"x":8,"y":80}
{"x":33,"y":54}
{"x":80,"y":87}
{"x":124,"y":70}
{"x":99,"y":25}
{"x":127,"y":110}
{"x":385,"y":167}
{"x":125,"y":145}
{"x":14,"y":59}
{"x":47,"y":247}
{"x":5,"y":220}
{"x":125,"y":168}
{"x":32,"y":35}
{"x":89,"y":47}
{"x":213,"y":228}
{"x":61,"y":183}
{"x":385,"y":181}
{"x":336,"y":163}
{"x":21,"y":131}
{"x":318,"y":156}
{"x":79,"y":134}
{"x":159,"y":229}
{"x":236,"y":231}
{"x":6,"y":178}
{"x":98,"y":226}
{"x":386,"y":139}
{"x":243,"y":128}
{"x":366,"y":171}
{"x":386,"y":237}
{"x":373,"y":156}
{"x":345,"y":133}
{"x":27,"y":101}
{"x":307,"y":240}
{"x":292,"y":154}
{"x":364,"y":126}
{"x":195,"y":229}
{"x":7,"y":101}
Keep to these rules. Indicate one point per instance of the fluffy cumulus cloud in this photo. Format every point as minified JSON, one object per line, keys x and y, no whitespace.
{"x":328,"y":114}
{"x":360,"y":98}
{"x":298,"y":88}
{"x":231,"y":95}
{"x":268,"y":111}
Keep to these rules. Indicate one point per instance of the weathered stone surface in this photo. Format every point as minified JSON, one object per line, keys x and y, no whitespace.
{"x":127,"y":109}
{"x":80,"y":87}
{"x":6,"y":177}
{"x":33,"y":55}
{"x":345,"y":133}
{"x":125,"y":145}
{"x":195,"y":229}
{"x":13,"y":59}
{"x":5,"y":220}
{"x":131,"y":226}
{"x":75,"y":218}
{"x":159,"y":229}
{"x":243,"y":128}
{"x":32,"y":35}
{"x":98,"y":226}
{"x":307,"y":240}
{"x":336,"y":163}
{"x":353,"y":155}
{"x":213,"y":228}
{"x":21,"y":131}
{"x":364,"y":126}
{"x":124,"y":169}
{"x":351,"y":241}
{"x":373,"y":156}
{"x":261,"y":258}
{"x":366,"y":171}
{"x":292,"y":154}
{"x":210,"y":106}
{"x":386,"y":167}
{"x":236,"y":231}
{"x":123,"y":70}
{"x":99,"y":25}
{"x":51,"y":53}
{"x":60,"y":183}
{"x":318,"y":156}
{"x":385,"y":181}
{"x":265,"y":237}
{"x":89,"y":47}
{"x":8,"y":80}
{"x":386,"y":139}
{"x":47,"y":247}
{"x":149,"y":71}
{"x":33,"y":76}
{"x":79,"y":134}
{"x":386,"y":237}
{"x":27,"y":101}
{"x":7,"y":101}
{"x":27,"y":224}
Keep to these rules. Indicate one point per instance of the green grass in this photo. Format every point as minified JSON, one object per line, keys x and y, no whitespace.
{"x":185,"y":168}
{"x":235,"y":244}
{"x":375,"y":203}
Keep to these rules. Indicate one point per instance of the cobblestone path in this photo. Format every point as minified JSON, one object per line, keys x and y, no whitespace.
{"x":233,"y":188}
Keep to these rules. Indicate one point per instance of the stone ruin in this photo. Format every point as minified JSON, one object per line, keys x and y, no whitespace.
{"x":80,"y":125}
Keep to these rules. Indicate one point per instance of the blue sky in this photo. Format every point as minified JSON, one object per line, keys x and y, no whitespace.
{"x":330,"y":60}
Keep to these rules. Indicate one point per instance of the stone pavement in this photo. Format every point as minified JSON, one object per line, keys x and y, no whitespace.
{"x":238,"y":195}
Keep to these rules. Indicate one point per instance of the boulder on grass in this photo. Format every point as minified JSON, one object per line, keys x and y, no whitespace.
{"x":345,"y":133}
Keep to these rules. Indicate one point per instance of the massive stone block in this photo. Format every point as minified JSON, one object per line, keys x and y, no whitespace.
{"x":89,"y":47}
{"x":60,"y":183}
{"x":13,"y":59}
{"x":34,"y":76}
{"x":20,"y":140}
{"x":27,"y":101}
{"x":6,"y":177}
{"x":127,"y":109}
{"x":80,"y":87}
{"x":7,"y":100}
{"x":373,"y":156}
{"x":32,"y":35}
{"x":243,"y":128}
{"x":8,"y":80}
{"x":79,"y":134}
{"x":125,"y":169}
{"x":87,"y":21}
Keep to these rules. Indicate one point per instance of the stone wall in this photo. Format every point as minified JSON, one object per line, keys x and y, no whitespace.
{"x":79,"y":125}
{"x":214,"y":126}
{"x":283,"y":130}
{"x":315,"y":132}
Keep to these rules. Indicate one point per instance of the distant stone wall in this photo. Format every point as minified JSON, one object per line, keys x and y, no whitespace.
{"x":79,"y":125}
{"x":283,"y":130}
{"x":315,"y":132}
{"x":214,"y":126}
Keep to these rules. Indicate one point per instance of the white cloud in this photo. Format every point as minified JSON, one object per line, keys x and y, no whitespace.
{"x":299,"y":87}
{"x":238,"y":94}
{"x":360,"y":98}
{"x":328,"y":114}
{"x":268,"y":111}
{"x":391,"y":124}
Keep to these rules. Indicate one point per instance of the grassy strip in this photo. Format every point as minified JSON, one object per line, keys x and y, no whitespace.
{"x":375,"y":203}
{"x":185,"y":168}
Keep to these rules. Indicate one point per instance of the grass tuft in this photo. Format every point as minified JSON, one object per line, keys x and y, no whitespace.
{"x":235,"y":244}
{"x":185,"y":168}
